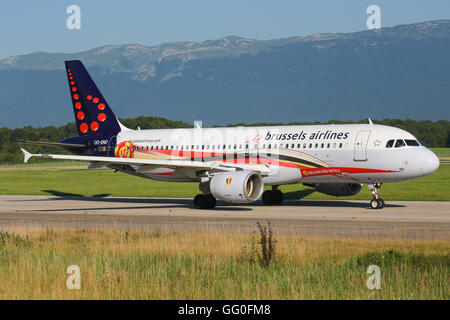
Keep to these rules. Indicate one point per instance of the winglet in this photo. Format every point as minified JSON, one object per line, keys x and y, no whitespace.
{"x":26,"y":154}
{"x":370,"y":121}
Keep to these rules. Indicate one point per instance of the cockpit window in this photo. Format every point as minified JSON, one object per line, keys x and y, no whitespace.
{"x":399,"y":143}
{"x":412,"y":143}
{"x":390,"y":143}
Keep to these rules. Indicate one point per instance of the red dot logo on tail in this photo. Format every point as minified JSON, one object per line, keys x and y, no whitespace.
{"x":80,"y":115}
{"x":94,"y":126}
{"x":84,"y":127}
{"x":101,"y":117}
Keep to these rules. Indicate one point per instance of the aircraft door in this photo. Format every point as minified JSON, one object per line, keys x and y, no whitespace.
{"x":111,"y":146}
{"x":361,"y":145}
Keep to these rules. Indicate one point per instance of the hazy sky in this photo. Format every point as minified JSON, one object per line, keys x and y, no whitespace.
{"x":29,"y":26}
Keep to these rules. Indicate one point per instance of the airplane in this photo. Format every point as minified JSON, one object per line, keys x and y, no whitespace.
{"x":233,"y":164}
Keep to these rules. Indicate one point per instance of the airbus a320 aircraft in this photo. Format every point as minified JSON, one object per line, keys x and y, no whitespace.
{"x":234,"y":164}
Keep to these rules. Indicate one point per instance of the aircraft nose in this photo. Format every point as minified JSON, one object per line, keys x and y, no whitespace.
{"x":430,"y":162}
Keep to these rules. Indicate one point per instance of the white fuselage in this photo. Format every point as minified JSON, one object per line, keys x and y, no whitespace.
{"x":355,"y":153}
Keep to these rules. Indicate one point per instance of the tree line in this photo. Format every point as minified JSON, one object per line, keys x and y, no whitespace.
{"x":434,"y":134}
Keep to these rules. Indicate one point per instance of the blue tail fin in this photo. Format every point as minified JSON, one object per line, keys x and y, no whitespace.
{"x":93,"y":115}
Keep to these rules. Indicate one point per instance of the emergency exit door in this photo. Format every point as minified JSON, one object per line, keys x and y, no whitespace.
{"x":361,"y":145}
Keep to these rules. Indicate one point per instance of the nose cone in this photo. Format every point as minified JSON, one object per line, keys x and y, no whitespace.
{"x":429,"y":162}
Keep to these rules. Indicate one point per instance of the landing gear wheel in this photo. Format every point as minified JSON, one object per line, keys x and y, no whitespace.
{"x":202,"y":201}
{"x":377,"y":202}
{"x":272,"y":197}
{"x":211,"y":201}
{"x":267,"y":197}
{"x":279,"y":196}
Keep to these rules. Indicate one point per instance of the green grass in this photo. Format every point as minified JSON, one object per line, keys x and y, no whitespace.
{"x":37,"y":165}
{"x":169,"y":265}
{"x":441,"y":152}
{"x":435,"y":187}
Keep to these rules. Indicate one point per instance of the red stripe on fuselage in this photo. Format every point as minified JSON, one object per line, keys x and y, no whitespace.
{"x":229,"y":158}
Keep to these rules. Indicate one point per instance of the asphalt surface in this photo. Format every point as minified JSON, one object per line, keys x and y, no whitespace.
{"x":399,"y":219}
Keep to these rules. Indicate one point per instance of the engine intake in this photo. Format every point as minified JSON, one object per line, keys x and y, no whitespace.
{"x":238,"y":186}
{"x":338,"y":189}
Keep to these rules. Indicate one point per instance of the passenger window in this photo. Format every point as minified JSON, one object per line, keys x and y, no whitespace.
{"x":340,"y":145}
{"x":390,"y":143}
{"x":399,"y":143}
{"x":412,"y":143}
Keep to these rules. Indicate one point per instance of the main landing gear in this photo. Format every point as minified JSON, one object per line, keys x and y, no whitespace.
{"x":204,"y":201}
{"x":273,"y":196}
{"x":377,"y":202}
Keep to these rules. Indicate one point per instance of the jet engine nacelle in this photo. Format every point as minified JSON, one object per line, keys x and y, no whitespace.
{"x":338,"y":189}
{"x":238,"y":186}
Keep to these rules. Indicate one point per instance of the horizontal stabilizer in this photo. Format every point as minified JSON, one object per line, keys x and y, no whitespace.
{"x":26,"y":154}
{"x":53,"y":144}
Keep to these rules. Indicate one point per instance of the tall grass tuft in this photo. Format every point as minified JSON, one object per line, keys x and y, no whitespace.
{"x":268,"y":244}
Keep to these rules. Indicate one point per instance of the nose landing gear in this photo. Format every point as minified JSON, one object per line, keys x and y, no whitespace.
{"x":376,"y":202}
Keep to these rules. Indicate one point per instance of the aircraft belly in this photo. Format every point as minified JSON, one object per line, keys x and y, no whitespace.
{"x":165,"y":174}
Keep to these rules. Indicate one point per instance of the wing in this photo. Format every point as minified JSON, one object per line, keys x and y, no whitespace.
{"x":174,"y":164}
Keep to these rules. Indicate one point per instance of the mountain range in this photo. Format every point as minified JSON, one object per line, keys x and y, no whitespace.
{"x":398,"y":72}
